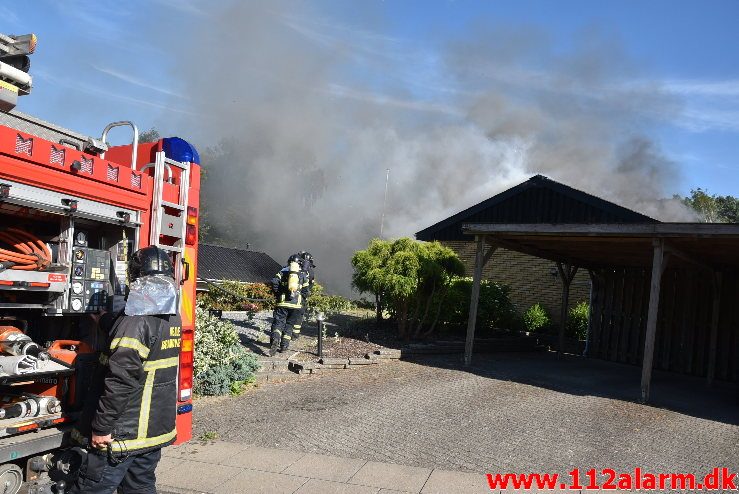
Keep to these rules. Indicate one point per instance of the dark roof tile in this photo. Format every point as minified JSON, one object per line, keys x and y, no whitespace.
{"x":226,"y":263}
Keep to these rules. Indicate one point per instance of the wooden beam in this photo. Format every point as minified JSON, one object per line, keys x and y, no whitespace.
{"x":672,"y":250}
{"x":655,"y":287}
{"x":489,"y":253}
{"x":532,"y":251}
{"x":566,"y":274}
{"x":648,"y":230}
{"x":715,"y":315}
{"x":475,"y":296}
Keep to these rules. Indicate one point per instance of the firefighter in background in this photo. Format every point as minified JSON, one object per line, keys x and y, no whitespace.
{"x":291,"y":287}
{"x":134,"y":417}
{"x":307,"y":265}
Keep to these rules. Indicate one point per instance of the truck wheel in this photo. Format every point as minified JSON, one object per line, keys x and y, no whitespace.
{"x":11,"y":478}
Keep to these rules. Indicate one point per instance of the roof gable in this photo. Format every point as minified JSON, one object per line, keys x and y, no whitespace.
{"x":537,"y":200}
{"x":225,"y":263}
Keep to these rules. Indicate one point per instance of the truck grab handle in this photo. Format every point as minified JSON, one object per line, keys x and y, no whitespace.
{"x":187,"y":272}
{"x":135,"y":144}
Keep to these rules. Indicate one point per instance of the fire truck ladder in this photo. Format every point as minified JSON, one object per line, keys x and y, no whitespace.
{"x":164,"y":223}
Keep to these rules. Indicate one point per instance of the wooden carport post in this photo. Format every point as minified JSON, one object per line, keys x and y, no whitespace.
{"x":480,"y":261}
{"x":566,"y":273}
{"x":716,"y":313}
{"x":654,"y":291}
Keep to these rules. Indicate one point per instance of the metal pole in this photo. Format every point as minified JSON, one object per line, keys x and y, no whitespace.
{"x":320,"y":320}
{"x":384,"y":201}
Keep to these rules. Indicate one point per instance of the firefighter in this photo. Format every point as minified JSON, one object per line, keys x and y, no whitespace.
{"x":136,"y":410}
{"x":291,"y":287}
{"x":308,"y":267}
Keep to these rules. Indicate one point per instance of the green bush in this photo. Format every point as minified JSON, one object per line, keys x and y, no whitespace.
{"x":221,"y":363}
{"x":328,"y":304}
{"x":494,"y":309}
{"x":229,"y":295}
{"x":577,"y":321}
{"x":228,"y":378}
{"x":536,"y":319}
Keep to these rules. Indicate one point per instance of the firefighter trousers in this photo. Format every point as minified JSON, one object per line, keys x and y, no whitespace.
{"x":133,"y":475}
{"x":285,"y":321}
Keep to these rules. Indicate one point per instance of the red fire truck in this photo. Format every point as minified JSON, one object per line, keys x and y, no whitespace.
{"x":72,"y":210}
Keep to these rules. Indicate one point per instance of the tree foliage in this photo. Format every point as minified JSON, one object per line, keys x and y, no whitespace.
{"x":151,"y":135}
{"x":407,"y":278}
{"x":321,"y":302}
{"x":713,"y":208}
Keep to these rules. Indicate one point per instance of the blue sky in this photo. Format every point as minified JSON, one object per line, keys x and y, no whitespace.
{"x":101,"y":61}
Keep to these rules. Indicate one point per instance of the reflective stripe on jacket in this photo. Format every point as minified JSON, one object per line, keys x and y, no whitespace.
{"x":286,"y":298}
{"x":138,"y":404}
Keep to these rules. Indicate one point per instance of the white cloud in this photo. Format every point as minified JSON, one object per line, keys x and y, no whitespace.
{"x":8,"y":15}
{"x":94,"y":90}
{"x":696,"y":87}
{"x":384,"y":100}
{"x":136,"y":81}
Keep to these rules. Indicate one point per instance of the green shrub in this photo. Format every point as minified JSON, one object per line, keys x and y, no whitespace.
{"x":494,"y":309}
{"x":328,"y":304}
{"x":364,"y":303}
{"x":577,"y":321}
{"x":222,"y":379}
{"x":536,"y":319}
{"x":229,"y":295}
{"x":221,"y":363}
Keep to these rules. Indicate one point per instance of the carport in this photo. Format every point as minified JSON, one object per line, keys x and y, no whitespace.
{"x":664,"y":294}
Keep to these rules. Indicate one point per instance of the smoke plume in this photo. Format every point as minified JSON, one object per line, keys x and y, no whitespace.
{"x":302,"y":116}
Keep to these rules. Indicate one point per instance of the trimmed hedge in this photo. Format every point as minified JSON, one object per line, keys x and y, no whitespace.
{"x":229,"y":296}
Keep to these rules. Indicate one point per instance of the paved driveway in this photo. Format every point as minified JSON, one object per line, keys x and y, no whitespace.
{"x":510,"y":412}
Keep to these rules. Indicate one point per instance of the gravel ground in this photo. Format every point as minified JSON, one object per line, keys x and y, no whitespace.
{"x":509,"y":412}
{"x":346,"y":336}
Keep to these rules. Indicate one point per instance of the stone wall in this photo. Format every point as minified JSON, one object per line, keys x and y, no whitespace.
{"x":530,"y":279}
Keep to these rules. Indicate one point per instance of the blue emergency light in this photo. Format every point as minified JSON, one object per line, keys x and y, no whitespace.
{"x":180,"y":150}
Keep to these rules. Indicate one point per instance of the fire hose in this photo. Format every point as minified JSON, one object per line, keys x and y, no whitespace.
{"x":27,"y":252}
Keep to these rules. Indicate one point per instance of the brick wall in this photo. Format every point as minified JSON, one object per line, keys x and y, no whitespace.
{"x":530,"y":278}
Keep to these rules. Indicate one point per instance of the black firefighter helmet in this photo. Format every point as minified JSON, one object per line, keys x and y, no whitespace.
{"x":149,"y":261}
{"x":308,"y":258}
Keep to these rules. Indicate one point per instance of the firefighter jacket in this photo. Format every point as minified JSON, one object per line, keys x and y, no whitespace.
{"x":138,"y":404}
{"x":291,"y":287}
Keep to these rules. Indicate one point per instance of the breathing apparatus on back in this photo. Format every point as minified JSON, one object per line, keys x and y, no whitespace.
{"x":293,"y":274}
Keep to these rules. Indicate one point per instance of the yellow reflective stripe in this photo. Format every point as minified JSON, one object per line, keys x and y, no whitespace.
{"x":288,"y":305}
{"x":161,"y":363}
{"x":146,"y":405}
{"x":287,"y":337}
{"x":131,"y":343}
{"x":131,"y":444}
{"x":8,"y":86}
{"x":296,"y":326}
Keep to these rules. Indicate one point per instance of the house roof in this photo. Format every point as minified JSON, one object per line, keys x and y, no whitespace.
{"x":537,"y":200}
{"x":226,"y":263}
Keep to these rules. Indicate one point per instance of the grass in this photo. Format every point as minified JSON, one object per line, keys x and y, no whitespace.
{"x":209,"y":436}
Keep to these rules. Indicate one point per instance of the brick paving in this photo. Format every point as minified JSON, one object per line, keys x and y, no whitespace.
{"x":218,"y":467}
{"x":509,"y":412}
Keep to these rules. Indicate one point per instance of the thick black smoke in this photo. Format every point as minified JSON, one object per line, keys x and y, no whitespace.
{"x":302,"y":116}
